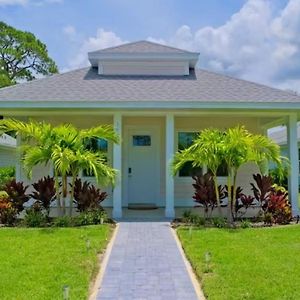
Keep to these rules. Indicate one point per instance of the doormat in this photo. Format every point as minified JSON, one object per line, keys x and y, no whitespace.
{"x":142,"y":206}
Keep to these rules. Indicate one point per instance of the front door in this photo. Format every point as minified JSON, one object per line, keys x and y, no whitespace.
{"x":143,"y":166}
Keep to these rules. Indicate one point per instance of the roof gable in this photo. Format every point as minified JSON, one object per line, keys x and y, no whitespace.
{"x":141,"y":47}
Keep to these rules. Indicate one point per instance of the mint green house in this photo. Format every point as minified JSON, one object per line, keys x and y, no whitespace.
{"x":156,"y":98}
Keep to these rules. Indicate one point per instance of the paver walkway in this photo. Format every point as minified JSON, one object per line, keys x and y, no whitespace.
{"x":145,"y":263}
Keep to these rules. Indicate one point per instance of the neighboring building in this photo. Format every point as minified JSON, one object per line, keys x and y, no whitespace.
{"x":7,"y":151}
{"x":156,"y":99}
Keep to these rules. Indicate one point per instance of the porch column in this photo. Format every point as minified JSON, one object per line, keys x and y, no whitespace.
{"x":293,"y":180}
{"x":18,"y":159}
{"x":170,"y":212}
{"x":117,"y":164}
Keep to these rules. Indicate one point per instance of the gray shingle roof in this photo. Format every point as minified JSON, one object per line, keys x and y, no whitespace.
{"x":141,"y":47}
{"x":200,"y":86}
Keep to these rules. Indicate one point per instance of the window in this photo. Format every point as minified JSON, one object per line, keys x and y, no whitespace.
{"x":185,"y":140}
{"x":95,"y":145}
{"x":141,"y":140}
{"x":222,"y":170}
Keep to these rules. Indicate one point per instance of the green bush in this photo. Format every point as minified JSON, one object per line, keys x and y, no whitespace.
{"x":34,"y":217}
{"x":64,"y":221}
{"x":6,"y":175}
{"x":218,"y":222}
{"x":190,"y":218}
{"x":246,"y":224}
{"x":92,"y":217}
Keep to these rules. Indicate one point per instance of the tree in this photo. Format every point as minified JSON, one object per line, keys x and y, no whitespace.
{"x":22,"y":56}
{"x":63,"y":147}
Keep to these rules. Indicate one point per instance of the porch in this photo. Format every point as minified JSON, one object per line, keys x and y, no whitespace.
{"x":149,"y":141}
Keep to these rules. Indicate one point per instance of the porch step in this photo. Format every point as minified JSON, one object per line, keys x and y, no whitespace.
{"x":142,"y":206}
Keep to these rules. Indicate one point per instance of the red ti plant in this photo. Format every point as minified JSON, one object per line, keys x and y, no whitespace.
{"x":87,"y":197}
{"x":45,"y":192}
{"x":279,"y":207}
{"x":205,"y":192}
{"x":17,"y":194}
{"x":262,"y":189}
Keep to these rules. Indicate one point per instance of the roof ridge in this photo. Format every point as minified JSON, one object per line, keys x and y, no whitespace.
{"x":248,"y":81}
{"x":142,"y":41}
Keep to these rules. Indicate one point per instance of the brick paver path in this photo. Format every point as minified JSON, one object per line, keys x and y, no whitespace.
{"x":145,"y":263}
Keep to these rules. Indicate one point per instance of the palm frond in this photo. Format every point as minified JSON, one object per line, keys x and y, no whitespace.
{"x":105,"y":132}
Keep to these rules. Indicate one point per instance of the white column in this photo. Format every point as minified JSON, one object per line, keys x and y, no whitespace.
{"x":293,"y":180}
{"x":117,"y":164}
{"x":170,"y":212}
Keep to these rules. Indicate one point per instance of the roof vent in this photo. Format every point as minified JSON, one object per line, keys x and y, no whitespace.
{"x":143,"y":58}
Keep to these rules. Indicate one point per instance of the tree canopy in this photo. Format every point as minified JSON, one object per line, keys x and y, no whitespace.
{"x":22,"y":56}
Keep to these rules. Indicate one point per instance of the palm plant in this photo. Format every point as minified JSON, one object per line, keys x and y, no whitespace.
{"x":62,"y":146}
{"x":207,"y":149}
{"x":235,"y":146}
{"x":241,"y":147}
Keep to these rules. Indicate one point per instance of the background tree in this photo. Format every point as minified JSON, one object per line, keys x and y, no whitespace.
{"x":22,"y":56}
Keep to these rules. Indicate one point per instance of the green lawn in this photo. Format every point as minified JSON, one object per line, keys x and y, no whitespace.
{"x":37,"y":263}
{"x":262,"y":263}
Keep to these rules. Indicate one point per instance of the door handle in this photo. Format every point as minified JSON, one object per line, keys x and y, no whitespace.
{"x":129,"y":171}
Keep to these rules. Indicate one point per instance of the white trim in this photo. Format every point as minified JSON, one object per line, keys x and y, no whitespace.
{"x":293,"y":181}
{"x":117,"y":164}
{"x":18,"y":159}
{"x":170,"y":132}
{"x":174,"y":105}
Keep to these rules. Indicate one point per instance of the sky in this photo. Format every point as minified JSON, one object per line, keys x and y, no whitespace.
{"x":257,"y":40}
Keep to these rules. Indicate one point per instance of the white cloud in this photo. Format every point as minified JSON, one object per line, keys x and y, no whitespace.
{"x":13,"y":2}
{"x":256,"y":43}
{"x":69,"y":31}
{"x":103,"y":39}
{"x":253,"y":44}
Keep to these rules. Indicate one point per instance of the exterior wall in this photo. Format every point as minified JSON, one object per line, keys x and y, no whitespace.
{"x":183,"y":185}
{"x":7,"y":156}
{"x":144,"y":68}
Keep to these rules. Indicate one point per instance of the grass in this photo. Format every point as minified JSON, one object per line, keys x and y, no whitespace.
{"x":37,"y":263}
{"x":262,"y":263}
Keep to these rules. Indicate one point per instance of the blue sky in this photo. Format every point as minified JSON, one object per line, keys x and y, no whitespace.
{"x":256,"y":40}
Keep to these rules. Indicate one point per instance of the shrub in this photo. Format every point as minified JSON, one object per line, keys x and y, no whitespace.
{"x":87,"y":197}
{"x":34,"y":216}
{"x":246,"y":224}
{"x":273,"y":200}
{"x":6,"y":174}
{"x":280,"y":176}
{"x":244,"y":201}
{"x":190,"y":218}
{"x":64,"y":221}
{"x":279,"y":207}
{"x":205,"y":193}
{"x":92,"y":217}
{"x":17,"y":194}
{"x":262,"y":189}
{"x":8,"y":214}
{"x":218,"y":222}
{"x":44,"y":193}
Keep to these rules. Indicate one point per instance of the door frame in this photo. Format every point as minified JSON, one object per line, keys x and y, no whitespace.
{"x":125,"y":160}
